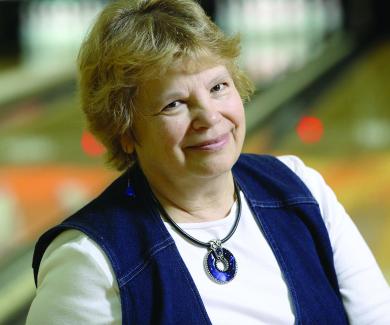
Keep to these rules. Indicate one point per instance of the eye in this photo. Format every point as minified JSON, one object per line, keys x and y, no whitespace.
{"x":171,"y":106}
{"x":219,"y":87}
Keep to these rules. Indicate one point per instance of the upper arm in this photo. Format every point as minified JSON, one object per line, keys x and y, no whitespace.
{"x":75,"y":284}
{"x":365,"y":292}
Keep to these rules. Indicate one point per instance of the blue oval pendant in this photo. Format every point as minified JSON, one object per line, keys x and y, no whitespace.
{"x":220,"y":269}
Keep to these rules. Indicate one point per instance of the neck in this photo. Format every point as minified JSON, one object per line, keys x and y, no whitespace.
{"x":196,"y":199}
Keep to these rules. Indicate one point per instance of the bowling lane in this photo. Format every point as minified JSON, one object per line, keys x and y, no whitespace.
{"x":344,"y":132}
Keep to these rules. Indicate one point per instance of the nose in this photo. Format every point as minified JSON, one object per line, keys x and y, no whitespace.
{"x":205,"y":115}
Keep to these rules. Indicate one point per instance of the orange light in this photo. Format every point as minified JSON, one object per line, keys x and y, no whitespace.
{"x":310,"y":129}
{"x":90,"y":145}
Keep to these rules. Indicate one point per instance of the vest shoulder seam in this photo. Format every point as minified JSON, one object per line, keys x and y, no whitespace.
{"x":284,"y":203}
{"x":129,"y":276}
{"x":112,"y":257}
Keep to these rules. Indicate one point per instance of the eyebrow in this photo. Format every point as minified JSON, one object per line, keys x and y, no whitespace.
{"x":221,"y":76}
{"x":171,"y":95}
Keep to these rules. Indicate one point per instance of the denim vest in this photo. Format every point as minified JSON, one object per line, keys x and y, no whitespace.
{"x":155,"y":285}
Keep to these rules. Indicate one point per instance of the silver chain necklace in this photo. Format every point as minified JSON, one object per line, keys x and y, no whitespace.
{"x":219,"y":263}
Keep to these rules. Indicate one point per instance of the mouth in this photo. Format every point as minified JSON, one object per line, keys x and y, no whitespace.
{"x":214,"y":144}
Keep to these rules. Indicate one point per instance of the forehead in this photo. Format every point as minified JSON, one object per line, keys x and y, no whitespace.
{"x":181,"y":64}
{"x":180,"y":75}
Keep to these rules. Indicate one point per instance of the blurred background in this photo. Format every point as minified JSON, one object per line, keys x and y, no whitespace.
{"x":322,"y":74}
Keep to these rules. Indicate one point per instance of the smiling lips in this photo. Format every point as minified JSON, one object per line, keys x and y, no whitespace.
{"x":212,"y":144}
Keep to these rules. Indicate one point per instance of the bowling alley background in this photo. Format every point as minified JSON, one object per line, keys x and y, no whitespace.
{"x":322,"y":75}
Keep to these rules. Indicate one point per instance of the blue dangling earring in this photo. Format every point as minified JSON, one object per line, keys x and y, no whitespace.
{"x":129,"y":189}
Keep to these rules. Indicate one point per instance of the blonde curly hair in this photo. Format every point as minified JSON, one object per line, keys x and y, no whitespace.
{"x":133,"y":41}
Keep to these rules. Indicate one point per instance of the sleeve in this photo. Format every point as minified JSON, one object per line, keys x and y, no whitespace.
{"x":75,"y":284}
{"x":364,"y":290}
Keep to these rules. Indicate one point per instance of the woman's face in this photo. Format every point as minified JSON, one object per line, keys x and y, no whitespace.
{"x":188,"y":124}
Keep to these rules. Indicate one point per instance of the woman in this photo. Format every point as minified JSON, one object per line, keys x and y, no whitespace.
{"x":193,"y":232}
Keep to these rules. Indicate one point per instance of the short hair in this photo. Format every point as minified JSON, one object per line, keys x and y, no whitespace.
{"x":133,"y":41}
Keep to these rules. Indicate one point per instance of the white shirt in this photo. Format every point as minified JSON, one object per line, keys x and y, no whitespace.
{"x":76,"y":284}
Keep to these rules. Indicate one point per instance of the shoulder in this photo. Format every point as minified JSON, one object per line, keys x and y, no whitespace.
{"x":312,"y":178}
{"x":289,"y":169}
{"x":273,"y":178}
{"x":296,"y":164}
{"x":316,"y":184}
{"x":277,"y":164}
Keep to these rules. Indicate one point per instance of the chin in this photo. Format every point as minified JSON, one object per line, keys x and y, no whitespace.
{"x":215,"y":165}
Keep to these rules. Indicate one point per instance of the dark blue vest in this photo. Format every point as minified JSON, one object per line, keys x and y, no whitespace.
{"x":155,"y":285}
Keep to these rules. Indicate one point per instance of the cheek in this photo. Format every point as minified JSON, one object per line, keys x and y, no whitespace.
{"x":236,"y":111}
{"x":172,"y":131}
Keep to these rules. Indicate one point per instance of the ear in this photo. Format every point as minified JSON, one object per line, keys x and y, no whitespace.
{"x":127,"y":143}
